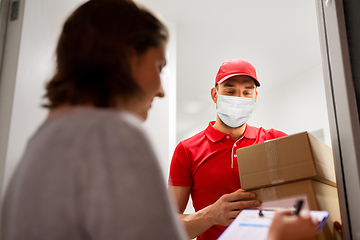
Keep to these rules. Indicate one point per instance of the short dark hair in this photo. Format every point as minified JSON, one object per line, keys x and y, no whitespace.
{"x":93,"y":53}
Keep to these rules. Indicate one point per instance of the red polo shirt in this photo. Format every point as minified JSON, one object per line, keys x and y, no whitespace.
{"x":208,"y":163}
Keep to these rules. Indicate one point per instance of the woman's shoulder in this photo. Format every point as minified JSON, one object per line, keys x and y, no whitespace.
{"x":86,"y":122}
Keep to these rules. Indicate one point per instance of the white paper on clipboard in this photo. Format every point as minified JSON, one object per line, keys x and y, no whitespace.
{"x":248,"y":225}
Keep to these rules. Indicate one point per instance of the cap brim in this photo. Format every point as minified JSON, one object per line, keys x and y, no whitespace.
{"x":238,"y":74}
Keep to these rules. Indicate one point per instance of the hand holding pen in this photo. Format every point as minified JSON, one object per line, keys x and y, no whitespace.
{"x":288,"y":226}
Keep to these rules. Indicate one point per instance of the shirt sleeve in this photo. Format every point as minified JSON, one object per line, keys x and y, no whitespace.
{"x":277,"y":134}
{"x":180,"y":168}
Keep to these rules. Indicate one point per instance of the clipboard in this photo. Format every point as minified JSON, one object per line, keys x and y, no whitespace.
{"x":248,"y":225}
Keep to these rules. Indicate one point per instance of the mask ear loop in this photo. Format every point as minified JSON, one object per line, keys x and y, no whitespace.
{"x":217,"y":97}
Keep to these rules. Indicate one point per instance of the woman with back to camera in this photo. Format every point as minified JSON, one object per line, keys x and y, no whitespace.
{"x":89,"y":172}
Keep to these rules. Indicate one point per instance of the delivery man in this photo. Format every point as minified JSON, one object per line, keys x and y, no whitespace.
{"x":205,"y":165}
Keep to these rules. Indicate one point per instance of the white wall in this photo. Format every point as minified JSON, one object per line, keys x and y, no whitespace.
{"x":42,"y":21}
{"x":161,"y":123}
{"x":295,"y":106}
{"x":292,"y":94}
{"x":27,"y":72}
{"x":7,"y":83}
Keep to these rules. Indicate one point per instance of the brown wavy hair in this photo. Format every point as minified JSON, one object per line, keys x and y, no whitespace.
{"x":93,"y":53}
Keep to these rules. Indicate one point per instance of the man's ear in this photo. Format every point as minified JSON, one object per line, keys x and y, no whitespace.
{"x":214,"y":95}
{"x":256,"y":96}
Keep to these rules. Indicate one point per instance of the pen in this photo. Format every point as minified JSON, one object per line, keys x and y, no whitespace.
{"x":298,"y":207}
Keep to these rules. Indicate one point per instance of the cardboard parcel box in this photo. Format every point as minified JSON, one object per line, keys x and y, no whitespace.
{"x":285,"y":159}
{"x":318,"y":196}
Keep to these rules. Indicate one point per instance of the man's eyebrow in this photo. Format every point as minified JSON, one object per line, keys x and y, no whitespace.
{"x":250,"y":87}
{"x":228,"y":85}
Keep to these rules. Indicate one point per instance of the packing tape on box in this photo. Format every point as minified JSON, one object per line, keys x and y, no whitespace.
{"x":268,"y":194}
{"x":272,"y":157}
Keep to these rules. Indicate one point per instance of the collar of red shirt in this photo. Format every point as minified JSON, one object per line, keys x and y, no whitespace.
{"x":215,"y":135}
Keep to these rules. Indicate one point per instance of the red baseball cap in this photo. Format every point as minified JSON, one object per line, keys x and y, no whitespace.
{"x":235,"y":67}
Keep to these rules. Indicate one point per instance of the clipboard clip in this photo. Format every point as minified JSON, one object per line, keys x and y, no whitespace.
{"x":296,"y":209}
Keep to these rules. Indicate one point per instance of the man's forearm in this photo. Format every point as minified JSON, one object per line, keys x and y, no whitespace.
{"x":197,"y":223}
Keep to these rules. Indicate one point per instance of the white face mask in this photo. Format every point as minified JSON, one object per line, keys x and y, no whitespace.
{"x":234,"y":111}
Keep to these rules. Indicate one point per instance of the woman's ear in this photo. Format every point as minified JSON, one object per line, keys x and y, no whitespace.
{"x":214,"y":95}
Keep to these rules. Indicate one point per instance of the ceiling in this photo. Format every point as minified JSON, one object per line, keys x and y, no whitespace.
{"x":280,"y":38}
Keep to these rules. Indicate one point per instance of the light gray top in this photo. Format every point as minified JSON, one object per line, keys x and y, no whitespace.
{"x":89,"y":174}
